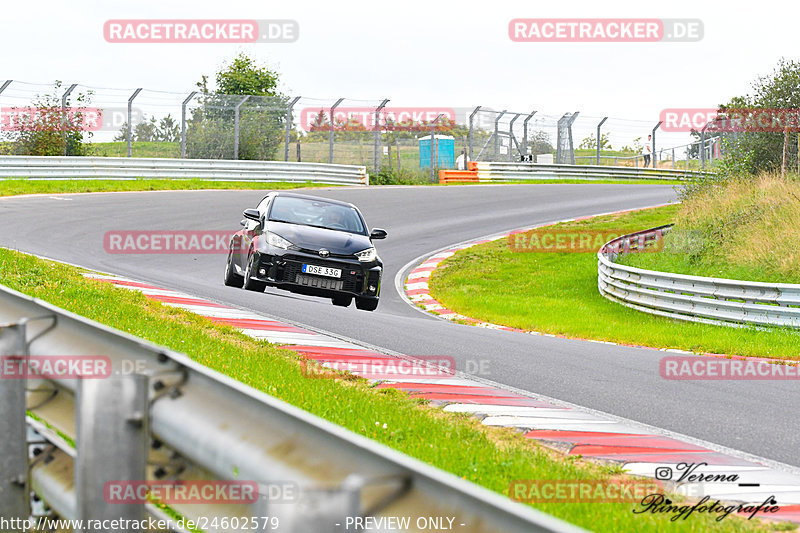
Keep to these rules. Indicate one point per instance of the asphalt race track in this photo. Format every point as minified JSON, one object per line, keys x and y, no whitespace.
{"x":758,"y":417}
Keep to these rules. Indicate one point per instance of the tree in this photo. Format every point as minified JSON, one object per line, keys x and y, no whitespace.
{"x":589,"y":142}
{"x":210,"y":131}
{"x":46,"y":128}
{"x":540,"y":143}
{"x":754,"y":150}
{"x":165,"y":130}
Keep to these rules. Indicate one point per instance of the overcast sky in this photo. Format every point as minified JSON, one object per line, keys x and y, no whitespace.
{"x":419,"y":53}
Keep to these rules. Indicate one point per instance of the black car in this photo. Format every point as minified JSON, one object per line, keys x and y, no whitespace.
{"x":307,"y":245}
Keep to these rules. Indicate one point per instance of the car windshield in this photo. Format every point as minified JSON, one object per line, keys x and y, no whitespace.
{"x":317,"y":213}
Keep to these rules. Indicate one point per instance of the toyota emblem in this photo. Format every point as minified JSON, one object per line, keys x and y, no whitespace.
{"x":324,"y":253}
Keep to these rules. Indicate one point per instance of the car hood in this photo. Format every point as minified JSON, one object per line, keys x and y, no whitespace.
{"x":310,"y":238}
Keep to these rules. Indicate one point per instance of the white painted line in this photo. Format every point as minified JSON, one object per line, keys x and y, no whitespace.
{"x":437,"y":381}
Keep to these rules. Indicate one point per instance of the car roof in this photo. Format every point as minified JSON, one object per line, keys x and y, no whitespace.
{"x":309,"y":197}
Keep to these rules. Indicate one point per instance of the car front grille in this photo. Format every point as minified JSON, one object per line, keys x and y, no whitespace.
{"x":352,"y":277}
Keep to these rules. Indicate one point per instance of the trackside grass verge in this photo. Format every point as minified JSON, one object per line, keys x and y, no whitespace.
{"x":491,"y":457}
{"x":557,"y":293}
{"x":13,"y":187}
{"x":742,"y":229}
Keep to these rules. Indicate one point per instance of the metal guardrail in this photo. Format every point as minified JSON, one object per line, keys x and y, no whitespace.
{"x":175,"y":419}
{"x":55,"y":167}
{"x":500,"y":171}
{"x":698,"y":299}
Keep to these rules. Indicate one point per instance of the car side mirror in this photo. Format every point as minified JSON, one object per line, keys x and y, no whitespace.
{"x":243,"y":222}
{"x":378,"y":233}
{"x":252,"y":214}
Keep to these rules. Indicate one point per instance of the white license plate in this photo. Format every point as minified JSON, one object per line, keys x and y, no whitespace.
{"x":322,"y":271}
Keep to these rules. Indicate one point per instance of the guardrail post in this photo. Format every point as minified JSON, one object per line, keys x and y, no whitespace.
{"x":63,"y":113}
{"x":471,"y":117}
{"x":497,"y":134}
{"x":13,"y":443}
{"x":236,"y":127}
{"x":654,"y":143}
{"x":289,"y":127}
{"x":598,"y":139}
{"x":110,"y":411}
{"x":330,"y":134}
{"x":130,"y":112}
{"x":183,"y":123}
{"x":376,"y":158}
{"x":525,"y":132}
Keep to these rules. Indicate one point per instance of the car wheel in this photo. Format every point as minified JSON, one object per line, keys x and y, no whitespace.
{"x":232,"y":279}
{"x":366,"y":304}
{"x":342,"y":300}
{"x":249,"y":283}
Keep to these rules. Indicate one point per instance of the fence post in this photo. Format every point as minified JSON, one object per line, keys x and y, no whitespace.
{"x":703,"y":147}
{"x":288,"y":127}
{"x":673,"y":159}
{"x":236,"y":127}
{"x":111,"y":410}
{"x":654,"y":143}
{"x":5,"y":84}
{"x":565,"y":149}
{"x":598,"y":139}
{"x":525,"y":132}
{"x":511,"y":136}
{"x":13,"y":444}
{"x":496,"y":134}
{"x":130,"y":113}
{"x":434,"y":150}
{"x":330,"y":133}
{"x":375,"y":155}
{"x":64,"y":116}
{"x":471,"y":117}
{"x":183,"y":123}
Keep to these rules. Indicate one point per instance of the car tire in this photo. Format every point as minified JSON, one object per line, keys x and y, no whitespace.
{"x":249,"y":283}
{"x":366,"y":304}
{"x":232,"y":279}
{"x":342,"y":300}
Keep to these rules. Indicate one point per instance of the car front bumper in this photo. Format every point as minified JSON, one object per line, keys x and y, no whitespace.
{"x":284,"y":269}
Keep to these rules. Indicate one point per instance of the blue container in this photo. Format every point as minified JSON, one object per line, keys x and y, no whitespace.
{"x":445,"y":150}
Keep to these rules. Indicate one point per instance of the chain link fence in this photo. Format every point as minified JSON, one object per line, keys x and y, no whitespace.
{"x":141,"y":122}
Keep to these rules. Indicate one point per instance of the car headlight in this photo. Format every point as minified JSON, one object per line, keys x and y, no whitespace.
{"x":278,"y":242}
{"x":367,"y":256}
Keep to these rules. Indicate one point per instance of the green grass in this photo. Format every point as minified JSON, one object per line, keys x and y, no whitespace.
{"x":557,"y":293}
{"x":670,"y":260}
{"x":13,"y":187}
{"x":491,"y":457}
{"x":734,"y":228}
{"x":138,"y":149}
